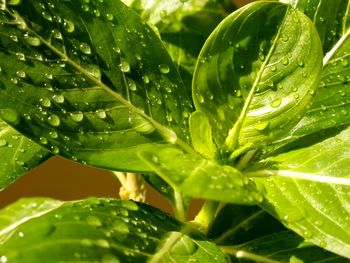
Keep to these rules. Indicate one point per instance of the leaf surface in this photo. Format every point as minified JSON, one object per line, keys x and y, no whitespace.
{"x":18,"y":154}
{"x":98,"y":230}
{"x":94,"y":84}
{"x":308,"y":191}
{"x":257,"y":73}
{"x":201,"y":178}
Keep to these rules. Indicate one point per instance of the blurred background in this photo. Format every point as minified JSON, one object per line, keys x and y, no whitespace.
{"x":66,"y":180}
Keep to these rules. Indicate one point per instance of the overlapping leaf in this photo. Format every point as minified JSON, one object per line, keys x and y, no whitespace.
{"x":309,"y":191}
{"x":90,"y":81}
{"x":198,"y":177}
{"x":258,"y":71}
{"x":97,"y":230}
{"x":17,"y":154}
{"x":330,"y":107}
{"x":183,"y":27}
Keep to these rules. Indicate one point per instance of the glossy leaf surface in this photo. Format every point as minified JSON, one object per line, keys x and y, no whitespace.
{"x":258,"y":71}
{"x":309,"y":192}
{"x":17,"y":154}
{"x":183,"y":27}
{"x":84,"y":84}
{"x":330,"y":107}
{"x":97,"y":230}
{"x":198,"y":177}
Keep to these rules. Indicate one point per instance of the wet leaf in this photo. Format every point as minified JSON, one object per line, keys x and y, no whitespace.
{"x":98,"y":230}
{"x":308,"y":190}
{"x":201,"y":178}
{"x":257,"y":74}
{"x":78,"y":84}
{"x":18,"y":155}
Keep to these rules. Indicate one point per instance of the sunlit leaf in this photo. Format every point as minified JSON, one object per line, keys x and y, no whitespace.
{"x":93,"y":84}
{"x":98,"y":230}
{"x":257,"y":73}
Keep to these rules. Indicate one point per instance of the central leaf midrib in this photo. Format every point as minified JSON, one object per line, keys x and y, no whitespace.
{"x":231,"y":141}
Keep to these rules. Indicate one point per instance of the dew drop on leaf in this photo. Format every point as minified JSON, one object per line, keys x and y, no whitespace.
{"x":33,"y":41}
{"x":109,"y":258}
{"x":184,"y":245}
{"x":58,"y":98}
{"x":54,"y":120}
{"x":276,"y":103}
{"x":77,"y":116}
{"x":94,"y":71}
{"x":261,"y":126}
{"x":53,"y":134}
{"x":55,"y":149}
{"x":344,"y":62}
{"x":285,"y":61}
{"x":45,"y":102}
{"x":3,"y":142}
{"x":85,"y":48}
{"x":43,"y":140}
{"x":11,"y":116}
{"x":109,"y":17}
{"x":21,"y":74}
{"x":68,"y":26}
{"x":124,"y":66}
{"x":164,"y":68}
{"x":101,"y":114}
{"x":93,"y":221}
{"x":20,"y":56}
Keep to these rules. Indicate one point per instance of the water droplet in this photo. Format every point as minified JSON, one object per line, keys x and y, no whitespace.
{"x":109,"y":17}
{"x":56,"y":34}
{"x":132,"y":85}
{"x":54,"y":120}
{"x":77,"y":116}
{"x":124,"y":66}
{"x":285,"y":38}
{"x":184,"y":245}
{"x":21,"y":74}
{"x":58,"y":98}
{"x":47,"y":16}
{"x":164,"y":68}
{"x":276,"y":103}
{"x":145,"y":79}
{"x":285,"y":61}
{"x":344,"y":112}
{"x":11,"y":116}
{"x":3,"y":259}
{"x":3,"y":142}
{"x":20,"y":56}
{"x":55,"y":149}
{"x":45,"y":102}
{"x":53,"y":134}
{"x":273,"y":68}
{"x":307,"y":234}
{"x":85,"y":7}
{"x":342,"y":93}
{"x":261,"y":56}
{"x":33,"y":41}
{"x":94,"y":71}
{"x":93,"y":221}
{"x":43,"y":140}
{"x":101,"y":114}
{"x":21,"y":234}
{"x":261,"y":126}
{"x":120,"y":227}
{"x":85,"y":48}
{"x":344,"y":62}
{"x":68,"y":26}
{"x":301,"y":63}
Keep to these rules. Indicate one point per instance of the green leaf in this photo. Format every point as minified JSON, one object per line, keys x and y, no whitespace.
{"x":331,"y":20}
{"x":278,"y":247}
{"x":257,"y":73}
{"x":201,"y":178}
{"x":98,"y":230}
{"x":330,"y":107}
{"x":201,"y":135}
{"x":18,"y":155}
{"x":94,"y":84}
{"x":183,"y":27}
{"x":250,"y":234}
{"x":308,"y":190}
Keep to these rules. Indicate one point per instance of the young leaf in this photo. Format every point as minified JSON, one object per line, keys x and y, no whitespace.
{"x":257,"y":73}
{"x":330,"y":107}
{"x":94,"y":84}
{"x":198,"y":177}
{"x":18,"y":155}
{"x":98,"y":230}
{"x":308,"y":191}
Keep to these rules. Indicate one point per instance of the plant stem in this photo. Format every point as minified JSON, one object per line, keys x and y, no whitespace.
{"x":179,"y":208}
{"x":132,"y":187}
{"x":206,"y":215}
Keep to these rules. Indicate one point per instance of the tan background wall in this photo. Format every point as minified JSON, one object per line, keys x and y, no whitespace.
{"x":65,"y":180}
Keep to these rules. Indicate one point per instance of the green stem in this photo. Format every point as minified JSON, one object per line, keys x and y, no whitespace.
{"x":206,"y":215}
{"x":180,"y":211}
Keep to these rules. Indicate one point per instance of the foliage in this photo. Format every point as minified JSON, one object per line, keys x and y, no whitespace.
{"x":247,"y":109}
